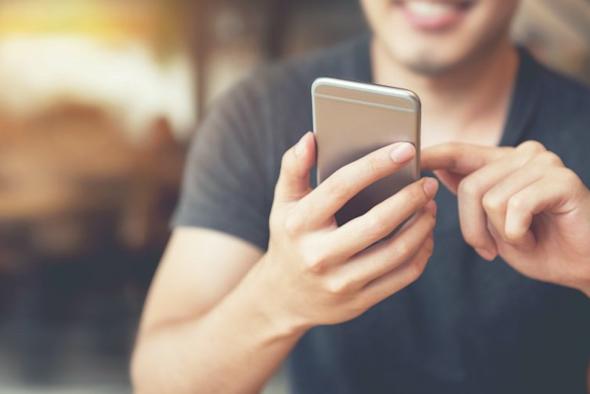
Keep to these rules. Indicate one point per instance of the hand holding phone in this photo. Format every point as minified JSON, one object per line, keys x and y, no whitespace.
{"x":315,"y":272}
{"x":318,"y":272}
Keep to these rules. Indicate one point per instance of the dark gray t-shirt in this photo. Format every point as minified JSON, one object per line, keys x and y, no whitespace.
{"x":467,"y":326}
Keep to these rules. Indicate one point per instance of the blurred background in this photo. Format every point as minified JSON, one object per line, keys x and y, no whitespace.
{"x":98,"y":102}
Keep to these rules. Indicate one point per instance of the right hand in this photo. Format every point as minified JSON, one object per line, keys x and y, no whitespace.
{"x":317,"y":273}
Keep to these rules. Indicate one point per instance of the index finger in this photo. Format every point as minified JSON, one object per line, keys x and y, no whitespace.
{"x":331,"y":195}
{"x":460,"y":158}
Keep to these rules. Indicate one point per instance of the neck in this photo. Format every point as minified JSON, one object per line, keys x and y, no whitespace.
{"x":469,"y":103}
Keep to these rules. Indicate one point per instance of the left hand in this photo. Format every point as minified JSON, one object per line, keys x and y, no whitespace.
{"x":521,"y":203}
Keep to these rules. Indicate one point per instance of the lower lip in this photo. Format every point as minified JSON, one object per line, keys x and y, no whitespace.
{"x":434,"y":23}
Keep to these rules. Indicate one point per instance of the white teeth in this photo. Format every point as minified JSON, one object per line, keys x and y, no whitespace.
{"x":430,"y":9}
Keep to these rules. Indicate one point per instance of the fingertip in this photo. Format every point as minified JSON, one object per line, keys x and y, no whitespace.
{"x":302,"y":147}
{"x":431,"y":186}
{"x":432,"y":207}
{"x":302,"y":154}
{"x":486,"y":254}
{"x":296,"y":165}
{"x":514,"y":234}
{"x":486,"y":248}
{"x":402,"y":152}
{"x":513,"y":229}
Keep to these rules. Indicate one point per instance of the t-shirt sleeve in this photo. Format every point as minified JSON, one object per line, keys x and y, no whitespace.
{"x":225,"y":186}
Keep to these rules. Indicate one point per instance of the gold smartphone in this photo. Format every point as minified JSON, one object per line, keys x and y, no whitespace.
{"x":353,"y":119}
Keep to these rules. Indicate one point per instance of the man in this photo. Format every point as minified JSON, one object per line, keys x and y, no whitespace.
{"x":257,"y":270}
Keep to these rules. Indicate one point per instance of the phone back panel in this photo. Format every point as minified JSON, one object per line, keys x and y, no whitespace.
{"x":353,"y":119}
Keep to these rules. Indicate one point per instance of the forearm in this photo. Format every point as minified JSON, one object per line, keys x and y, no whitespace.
{"x":234,"y":348}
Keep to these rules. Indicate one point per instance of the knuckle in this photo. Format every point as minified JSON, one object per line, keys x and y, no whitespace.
{"x":337,"y":286}
{"x":469,"y":187}
{"x":473,"y":238}
{"x":315,"y":261}
{"x":516,"y":203}
{"x":511,"y":237}
{"x":401,"y":249}
{"x":376,"y":224}
{"x":417,"y":269}
{"x":532,"y":146}
{"x":292,"y":225}
{"x":492,"y":203}
{"x":568,"y":176}
{"x":336,"y":188}
{"x":550,"y":158}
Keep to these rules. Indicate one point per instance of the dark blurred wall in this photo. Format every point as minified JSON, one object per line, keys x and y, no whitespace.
{"x":231,"y":37}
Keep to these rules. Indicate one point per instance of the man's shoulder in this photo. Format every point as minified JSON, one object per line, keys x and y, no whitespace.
{"x":562,"y":117}
{"x":561,"y":95}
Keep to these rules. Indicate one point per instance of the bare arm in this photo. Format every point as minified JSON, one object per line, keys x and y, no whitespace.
{"x":186,"y":345}
{"x":221,"y":317}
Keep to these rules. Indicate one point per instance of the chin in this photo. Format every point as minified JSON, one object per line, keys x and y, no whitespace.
{"x":430,"y":68}
{"x":435,"y":36}
{"x":429,"y":60}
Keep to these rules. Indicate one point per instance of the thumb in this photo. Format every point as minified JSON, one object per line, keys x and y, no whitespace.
{"x":293,"y":183}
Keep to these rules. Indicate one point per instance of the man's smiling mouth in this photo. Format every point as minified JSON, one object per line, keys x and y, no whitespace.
{"x":433,"y":14}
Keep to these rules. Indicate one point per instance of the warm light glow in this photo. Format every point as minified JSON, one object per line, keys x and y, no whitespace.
{"x":105,"y":19}
{"x":103,"y":53}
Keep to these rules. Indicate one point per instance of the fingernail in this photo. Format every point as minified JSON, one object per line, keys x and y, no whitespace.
{"x":486,"y":254}
{"x":402,"y":152}
{"x":301,"y":146}
{"x":430,"y":186}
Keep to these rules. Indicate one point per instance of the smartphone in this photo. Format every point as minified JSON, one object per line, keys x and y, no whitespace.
{"x":353,"y":119}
